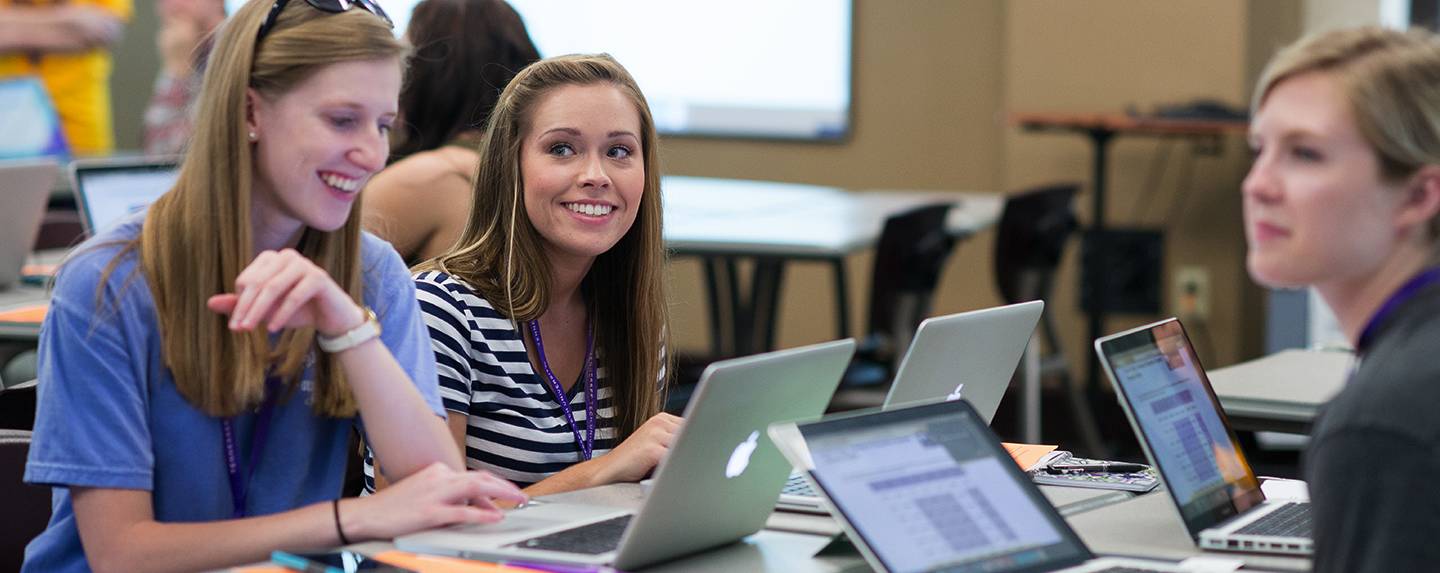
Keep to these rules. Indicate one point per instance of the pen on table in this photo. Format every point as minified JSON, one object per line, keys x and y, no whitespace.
{"x":1104,"y":467}
{"x":561,"y":568}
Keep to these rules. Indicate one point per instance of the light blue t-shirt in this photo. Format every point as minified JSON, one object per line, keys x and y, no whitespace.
{"x":109,"y":414}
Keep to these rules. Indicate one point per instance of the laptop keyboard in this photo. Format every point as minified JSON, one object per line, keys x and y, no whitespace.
{"x":593,"y":539}
{"x":797,"y":485}
{"x":1291,"y":520}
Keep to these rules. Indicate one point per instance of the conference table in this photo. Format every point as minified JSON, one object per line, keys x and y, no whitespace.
{"x":726,"y":221}
{"x":1145,"y":526}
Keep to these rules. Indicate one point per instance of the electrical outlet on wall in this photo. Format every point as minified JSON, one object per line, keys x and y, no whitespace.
{"x":1191,"y":293}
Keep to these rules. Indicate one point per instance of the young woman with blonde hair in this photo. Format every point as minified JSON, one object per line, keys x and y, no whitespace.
{"x":1344,"y":196}
{"x":203,"y":364}
{"x":548,"y":317}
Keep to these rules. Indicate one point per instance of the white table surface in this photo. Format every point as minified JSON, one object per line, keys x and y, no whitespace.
{"x":727,"y":216}
{"x":1285,"y":387}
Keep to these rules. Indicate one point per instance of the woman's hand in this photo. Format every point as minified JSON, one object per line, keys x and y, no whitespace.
{"x":634,"y":458}
{"x":436,"y":496}
{"x":284,"y":289}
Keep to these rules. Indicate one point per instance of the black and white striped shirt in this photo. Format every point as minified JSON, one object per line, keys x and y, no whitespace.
{"x":516,"y":427}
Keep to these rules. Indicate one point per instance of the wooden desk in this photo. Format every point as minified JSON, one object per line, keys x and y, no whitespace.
{"x":1101,"y":128}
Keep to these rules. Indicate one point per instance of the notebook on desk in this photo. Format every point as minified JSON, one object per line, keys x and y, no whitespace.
{"x":717,"y":484}
{"x":947,"y":497}
{"x":24,"y":192}
{"x":110,"y":189}
{"x":1185,"y":434}
{"x":970,"y":354}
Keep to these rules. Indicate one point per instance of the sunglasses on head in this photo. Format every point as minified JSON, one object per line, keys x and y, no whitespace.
{"x":329,"y":6}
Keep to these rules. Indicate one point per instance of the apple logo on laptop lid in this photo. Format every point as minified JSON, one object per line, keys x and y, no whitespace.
{"x":955,"y":394}
{"x":740,"y":458}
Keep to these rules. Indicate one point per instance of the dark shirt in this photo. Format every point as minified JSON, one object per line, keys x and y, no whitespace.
{"x":1372,"y":460}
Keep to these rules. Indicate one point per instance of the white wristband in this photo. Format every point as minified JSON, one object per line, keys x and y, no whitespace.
{"x":367,"y":330}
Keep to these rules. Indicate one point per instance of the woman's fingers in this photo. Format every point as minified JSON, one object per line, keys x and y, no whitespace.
{"x":299,"y":295}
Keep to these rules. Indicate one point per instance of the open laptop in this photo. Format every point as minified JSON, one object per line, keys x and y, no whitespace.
{"x":946,"y":497}
{"x":971,"y":354}
{"x":717,"y":484}
{"x":109,"y":190}
{"x":24,"y":192}
{"x":1185,"y":434}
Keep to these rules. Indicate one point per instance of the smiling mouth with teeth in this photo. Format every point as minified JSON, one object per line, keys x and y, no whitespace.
{"x":590,"y":209}
{"x":341,"y":183}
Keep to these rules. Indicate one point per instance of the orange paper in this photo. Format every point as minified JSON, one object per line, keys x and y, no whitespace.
{"x":1027,"y":455}
{"x":34,"y":314}
{"x":437,"y":564}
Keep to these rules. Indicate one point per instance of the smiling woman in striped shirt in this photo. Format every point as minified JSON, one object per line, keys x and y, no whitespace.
{"x":548,"y":318}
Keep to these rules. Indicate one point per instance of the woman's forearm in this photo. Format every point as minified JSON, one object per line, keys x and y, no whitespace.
{"x":143,"y":544}
{"x":401,"y":428}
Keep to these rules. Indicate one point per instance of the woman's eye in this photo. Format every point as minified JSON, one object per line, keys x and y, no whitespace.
{"x":1306,"y":154}
{"x":385,"y":128}
{"x":562,"y":149}
{"x":619,"y":152}
{"x":342,"y":121}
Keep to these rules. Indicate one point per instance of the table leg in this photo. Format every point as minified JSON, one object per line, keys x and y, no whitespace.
{"x":842,"y":298}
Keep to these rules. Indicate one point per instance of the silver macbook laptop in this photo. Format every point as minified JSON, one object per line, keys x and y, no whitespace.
{"x":1184,"y":432}
{"x":971,"y":354}
{"x":24,"y":192}
{"x":110,"y":189}
{"x":947,"y":497}
{"x":716,"y":485}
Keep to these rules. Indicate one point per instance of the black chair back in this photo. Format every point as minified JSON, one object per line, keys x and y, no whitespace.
{"x":1030,"y":240}
{"x":909,"y":258}
{"x":26,"y":507}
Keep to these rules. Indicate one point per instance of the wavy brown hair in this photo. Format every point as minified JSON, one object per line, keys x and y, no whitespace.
{"x":197,"y":237}
{"x":502,"y":256}
{"x":465,"y":53}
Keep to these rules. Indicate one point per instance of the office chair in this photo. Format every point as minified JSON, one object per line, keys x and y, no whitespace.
{"x":27,"y":507}
{"x":1035,"y":225}
{"x":909,"y":258}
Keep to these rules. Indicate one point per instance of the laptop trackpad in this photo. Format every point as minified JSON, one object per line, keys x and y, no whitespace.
{"x":513,"y":523}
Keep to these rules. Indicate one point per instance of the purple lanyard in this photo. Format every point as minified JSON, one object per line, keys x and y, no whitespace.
{"x":240,"y":476}
{"x":587,"y":446}
{"x":1401,"y":296}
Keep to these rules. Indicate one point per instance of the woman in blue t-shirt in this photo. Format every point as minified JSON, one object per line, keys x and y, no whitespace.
{"x":202,"y":364}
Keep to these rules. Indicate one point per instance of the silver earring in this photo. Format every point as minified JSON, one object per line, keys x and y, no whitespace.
{"x":254,"y":137}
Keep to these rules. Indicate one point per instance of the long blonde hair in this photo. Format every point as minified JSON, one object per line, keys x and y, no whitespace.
{"x":1391,"y":80}
{"x":197,"y":237}
{"x":502,"y":256}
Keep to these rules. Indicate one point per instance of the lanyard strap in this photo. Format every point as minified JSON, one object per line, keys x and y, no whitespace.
{"x":587,"y":445}
{"x":240,"y":475}
{"x":1401,"y":296}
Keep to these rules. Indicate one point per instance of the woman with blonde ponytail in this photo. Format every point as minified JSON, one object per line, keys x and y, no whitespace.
{"x":203,"y":363}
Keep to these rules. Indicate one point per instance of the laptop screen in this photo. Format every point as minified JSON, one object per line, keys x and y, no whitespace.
{"x":1178,"y":417}
{"x":110,"y":192}
{"x":929,"y":487}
